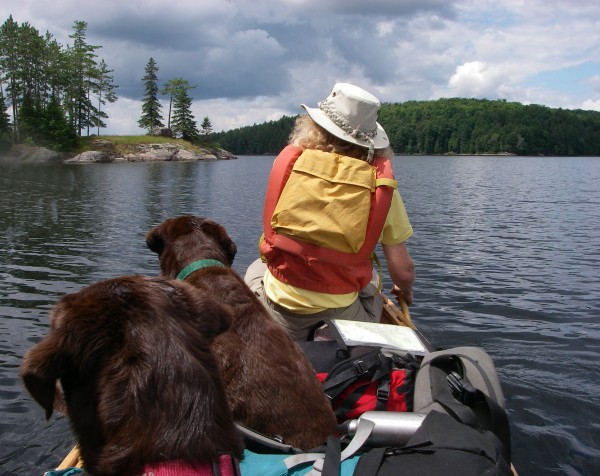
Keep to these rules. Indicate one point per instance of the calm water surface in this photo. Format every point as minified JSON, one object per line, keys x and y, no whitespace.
{"x":507,"y":254}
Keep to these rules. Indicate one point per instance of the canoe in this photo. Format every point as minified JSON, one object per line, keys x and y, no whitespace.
{"x":392,"y":314}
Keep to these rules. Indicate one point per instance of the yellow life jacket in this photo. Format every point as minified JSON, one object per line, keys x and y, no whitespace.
{"x":322,"y":218}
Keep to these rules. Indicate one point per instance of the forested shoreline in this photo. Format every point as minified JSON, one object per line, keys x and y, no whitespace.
{"x":51,"y":95}
{"x":453,"y":126}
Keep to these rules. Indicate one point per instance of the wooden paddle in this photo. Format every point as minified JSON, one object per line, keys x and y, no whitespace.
{"x":72,"y":460}
{"x":392,"y":314}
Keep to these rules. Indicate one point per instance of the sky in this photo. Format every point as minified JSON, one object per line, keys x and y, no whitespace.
{"x":253,"y":61}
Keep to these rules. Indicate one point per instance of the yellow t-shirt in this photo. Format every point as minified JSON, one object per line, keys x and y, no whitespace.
{"x":397,"y":229}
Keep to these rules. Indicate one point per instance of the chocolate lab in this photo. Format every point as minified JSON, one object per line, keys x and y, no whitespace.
{"x":141,"y":385}
{"x":270,"y":385}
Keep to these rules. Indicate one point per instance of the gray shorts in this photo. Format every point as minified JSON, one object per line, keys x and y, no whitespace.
{"x":367,"y":307}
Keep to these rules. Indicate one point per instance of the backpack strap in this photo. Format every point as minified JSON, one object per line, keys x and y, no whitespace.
{"x":333,"y":458}
{"x":346,"y":372}
{"x":467,"y":404}
{"x":373,"y":364}
{"x":382,"y":375}
{"x":328,"y":463}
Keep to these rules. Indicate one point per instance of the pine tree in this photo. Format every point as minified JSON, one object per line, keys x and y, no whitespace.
{"x":172,"y":86}
{"x":151,"y":116}
{"x":104,"y":88}
{"x":10,"y":65}
{"x":206,"y":126}
{"x":55,"y":131}
{"x":29,"y":119}
{"x":183,"y":124}
{"x":83,"y":70}
{"x":5,"y":131}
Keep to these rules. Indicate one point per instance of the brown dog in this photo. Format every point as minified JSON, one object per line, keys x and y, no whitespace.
{"x":141,"y":384}
{"x":270,"y":385}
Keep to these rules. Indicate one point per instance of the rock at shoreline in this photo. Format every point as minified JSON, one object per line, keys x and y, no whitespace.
{"x":164,"y":152}
{"x":104,"y":151}
{"x":91,"y":156}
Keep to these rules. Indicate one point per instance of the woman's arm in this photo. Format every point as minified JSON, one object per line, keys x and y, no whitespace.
{"x":402,"y":270}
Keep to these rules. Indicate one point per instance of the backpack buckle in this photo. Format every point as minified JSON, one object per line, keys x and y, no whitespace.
{"x":462,"y":390}
{"x":360,"y":368}
{"x":383,"y":392}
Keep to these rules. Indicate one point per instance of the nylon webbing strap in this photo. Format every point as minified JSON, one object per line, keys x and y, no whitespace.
{"x":483,"y":414}
{"x":354,"y":368}
{"x":301,"y":458}
{"x":333,"y":458}
{"x":388,"y":182}
{"x":328,"y":464}
{"x":441,"y":393}
{"x":195,"y":266}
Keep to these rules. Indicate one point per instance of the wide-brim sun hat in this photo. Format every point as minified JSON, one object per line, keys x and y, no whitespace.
{"x":350,"y":113}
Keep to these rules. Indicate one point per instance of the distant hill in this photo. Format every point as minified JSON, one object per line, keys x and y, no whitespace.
{"x":453,"y":126}
{"x":259,"y":139}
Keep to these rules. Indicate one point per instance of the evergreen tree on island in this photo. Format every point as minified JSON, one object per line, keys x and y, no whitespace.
{"x":151,"y":108}
{"x":104,"y":88}
{"x":206,"y":126}
{"x":5,"y":129}
{"x":183,"y":124}
{"x":172,"y":86}
{"x":82,"y":69}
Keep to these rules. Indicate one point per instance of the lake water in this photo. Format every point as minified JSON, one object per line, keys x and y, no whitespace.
{"x":507,"y":253}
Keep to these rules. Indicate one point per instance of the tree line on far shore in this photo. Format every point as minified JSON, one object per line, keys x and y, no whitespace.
{"x":453,"y":126}
{"x":51,"y":94}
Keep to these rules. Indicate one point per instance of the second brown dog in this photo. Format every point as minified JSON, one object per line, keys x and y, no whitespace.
{"x":142,"y":387}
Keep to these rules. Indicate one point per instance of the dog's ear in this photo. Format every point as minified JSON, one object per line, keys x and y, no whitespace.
{"x":40,"y":373}
{"x":220,"y":234}
{"x":155,"y":242}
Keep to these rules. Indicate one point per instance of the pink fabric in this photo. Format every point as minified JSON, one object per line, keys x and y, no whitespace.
{"x":227,"y":465}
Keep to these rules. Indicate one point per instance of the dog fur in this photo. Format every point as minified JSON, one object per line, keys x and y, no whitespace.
{"x":271,"y":386}
{"x":141,"y":384}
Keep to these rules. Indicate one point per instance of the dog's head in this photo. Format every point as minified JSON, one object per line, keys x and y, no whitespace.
{"x":132,"y":355}
{"x":181,"y":240}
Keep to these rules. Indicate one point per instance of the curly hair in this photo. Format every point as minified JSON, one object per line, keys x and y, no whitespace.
{"x":307,"y":134}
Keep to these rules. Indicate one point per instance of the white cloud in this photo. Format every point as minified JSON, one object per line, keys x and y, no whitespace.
{"x":591,"y":105}
{"x":476,"y":79}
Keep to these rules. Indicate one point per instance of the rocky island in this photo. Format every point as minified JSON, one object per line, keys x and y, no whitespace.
{"x":113,"y":149}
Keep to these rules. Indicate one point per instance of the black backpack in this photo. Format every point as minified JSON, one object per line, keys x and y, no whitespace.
{"x":465,"y":431}
{"x":442,"y":446}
